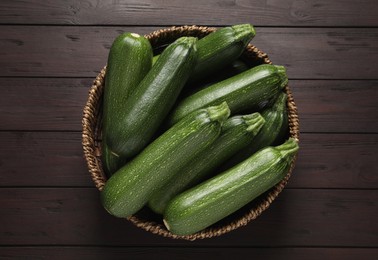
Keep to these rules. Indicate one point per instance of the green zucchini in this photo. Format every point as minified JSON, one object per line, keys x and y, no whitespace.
{"x":152,"y":100}
{"x":129,"y":60}
{"x":237,"y":133}
{"x":272,"y":133}
{"x":220,"y":196}
{"x":277,"y":125}
{"x":220,"y":48}
{"x":241,"y":92}
{"x":111,"y":162}
{"x":234,"y":68}
{"x":131,"y":187}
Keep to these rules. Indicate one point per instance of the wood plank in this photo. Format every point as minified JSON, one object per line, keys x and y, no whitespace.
{"x":336,"y":105}
{"x":90,"y":253}
{"x":74,"y":216}
{"x":42,"y":159}
{"x":57,"y":104}
{"x":43,"y":104}
{"x":336,"y":161}
{"x":319,"y":53}
{"x":272,"y":13}
{"x":56,"y":159}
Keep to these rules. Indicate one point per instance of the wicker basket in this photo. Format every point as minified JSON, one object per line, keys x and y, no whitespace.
{"x":147,"y":220}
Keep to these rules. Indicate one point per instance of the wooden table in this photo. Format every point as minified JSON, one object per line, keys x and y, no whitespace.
{"x":50,"y":51}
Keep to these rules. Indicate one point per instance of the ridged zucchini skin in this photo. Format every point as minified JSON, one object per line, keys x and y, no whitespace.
{"x":242,"y":92}
{"x":152,"y":100}
{"x":277,"y":126}
{"x":232,"y":69}
{"x":220,"y":196}
{"x":273,"y":132}
{"x":220,"y":48}
{"x":130,"y":188}
{"x":237,"y":133}
{"x":129,"y":60}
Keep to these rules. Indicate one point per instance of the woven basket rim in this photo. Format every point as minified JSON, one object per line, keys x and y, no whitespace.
{"x":92,"y":148}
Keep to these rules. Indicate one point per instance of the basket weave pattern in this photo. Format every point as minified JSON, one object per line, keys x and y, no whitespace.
{"x":91,"y":137}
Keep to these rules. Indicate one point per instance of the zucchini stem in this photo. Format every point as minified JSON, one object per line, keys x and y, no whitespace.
{"x":254,"y":122}
{"x":219,"y":113}
{"x":244,"y":32}
{"x":288,"y":149}
{"x":166,"y":224}
{"x":282,"y":73}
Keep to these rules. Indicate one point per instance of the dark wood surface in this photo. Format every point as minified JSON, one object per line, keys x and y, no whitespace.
{"x":50,"y":52}
{"x":81,"y":51}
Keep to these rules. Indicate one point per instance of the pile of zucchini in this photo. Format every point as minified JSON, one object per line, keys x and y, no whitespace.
{"x":194,"y":133}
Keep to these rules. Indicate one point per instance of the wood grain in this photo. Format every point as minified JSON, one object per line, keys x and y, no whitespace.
{"x":56,"y":159}
{"x":336,"y":161}
{"x":181,"y":253}
{"x":74,"y":216}
{"x":42,"y":159}
{"x":43,"y":104}
{"x":213,"y":12}
{"x":319,"y":53}
{"x":336,"y":105}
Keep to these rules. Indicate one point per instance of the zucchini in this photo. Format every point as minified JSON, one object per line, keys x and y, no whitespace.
{"x":130,"y":188}
{"x":220,"y":48}
{"x":232,"y":69}
{"x":220,"y":196}
{"x":272,"y":133}
{"x":129,"y":60}
{"x":242,"y":92}
{"x":237,"y":133}
{"x":152,"y":100}
{"x":277,"y":125}
{"x":111,"y":162}
{"x":236,"y":67}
